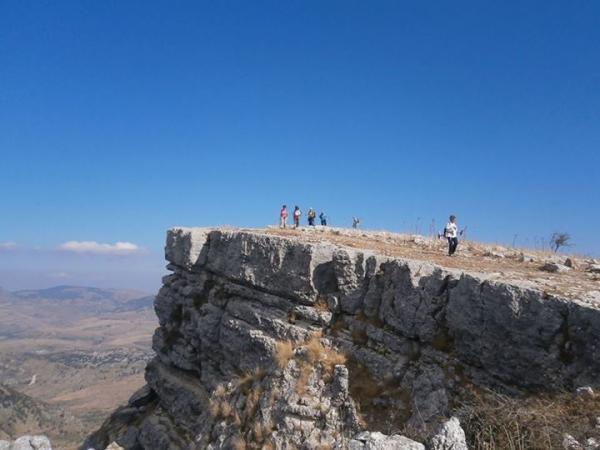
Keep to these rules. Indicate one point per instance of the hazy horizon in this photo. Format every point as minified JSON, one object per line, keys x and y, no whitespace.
{"x":120,"y":120}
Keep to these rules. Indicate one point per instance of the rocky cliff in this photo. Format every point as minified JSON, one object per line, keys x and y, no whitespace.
{"x":276,"y":342}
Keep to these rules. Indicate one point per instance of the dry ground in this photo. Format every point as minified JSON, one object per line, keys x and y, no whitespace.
{"x":508,"y":264}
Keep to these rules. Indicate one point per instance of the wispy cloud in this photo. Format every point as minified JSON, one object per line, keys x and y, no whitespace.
{"x":97,"y":248}
{"x":9,"y":245}
{"x":60,"y":275}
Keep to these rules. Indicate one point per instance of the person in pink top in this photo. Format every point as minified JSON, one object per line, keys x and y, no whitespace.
{"x":283,"y":215}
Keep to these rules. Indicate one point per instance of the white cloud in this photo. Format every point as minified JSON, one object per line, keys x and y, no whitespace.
{"x":97,"y":248}
{"x":7,"y":245}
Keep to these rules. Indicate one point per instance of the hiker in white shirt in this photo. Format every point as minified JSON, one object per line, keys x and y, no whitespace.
{"x":451,"y":232}
{"x":297,"y":214}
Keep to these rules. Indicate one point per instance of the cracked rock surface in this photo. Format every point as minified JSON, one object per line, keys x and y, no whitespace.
{"x":271,"y":342}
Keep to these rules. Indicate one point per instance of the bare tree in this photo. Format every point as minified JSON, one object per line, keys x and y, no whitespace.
{"x":558,"y":240}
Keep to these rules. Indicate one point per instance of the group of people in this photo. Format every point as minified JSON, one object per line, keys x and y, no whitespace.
{"x":297,"y":214}
{"x":450,"y":230}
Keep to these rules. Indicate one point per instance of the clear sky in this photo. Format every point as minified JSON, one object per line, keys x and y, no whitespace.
{"x":119,"y":119}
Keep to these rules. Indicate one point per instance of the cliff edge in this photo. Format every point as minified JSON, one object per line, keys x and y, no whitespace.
{"x":279,"y":340}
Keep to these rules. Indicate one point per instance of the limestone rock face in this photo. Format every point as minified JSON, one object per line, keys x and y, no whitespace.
{"x":27,"y":443}
{"x":273,"y":342}
{"x":379,"y":441}
{"x":450,"y":436}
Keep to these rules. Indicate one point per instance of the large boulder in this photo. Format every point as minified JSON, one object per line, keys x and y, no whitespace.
{"x":27,"y":443}
{"x":379,"y":441}
{"x":450,"y":436}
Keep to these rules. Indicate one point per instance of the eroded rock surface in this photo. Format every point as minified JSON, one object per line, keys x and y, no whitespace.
{"x":272,"y":342}
{"x":27,"y":442}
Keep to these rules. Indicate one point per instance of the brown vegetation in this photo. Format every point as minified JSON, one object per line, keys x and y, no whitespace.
{"x":321,"y":304}
{"x":497,"y":422}
{"x":283,"y":353}
{"x":366,"y":390}
{"x":314,"y":354}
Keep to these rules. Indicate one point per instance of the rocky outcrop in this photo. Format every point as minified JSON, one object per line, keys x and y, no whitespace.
{"x":274,"y":342}
{"x":450,"y":436}
{"x":27,"y":443}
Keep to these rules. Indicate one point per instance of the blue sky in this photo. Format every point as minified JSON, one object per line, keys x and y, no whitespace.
{"x":119,"y":119}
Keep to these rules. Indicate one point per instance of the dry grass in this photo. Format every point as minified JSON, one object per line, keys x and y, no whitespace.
{"x":283,"y":353}
{"x":318,"y":354}
{"x":214,"y":408}
{"x":247,"y":380}
{"x":258,"y":432}
{"x":325,"y":447}
{"x":321,"y":304}
{"x":220,"y":391}
{"x":252,"y":403}
{"x":365,"y":389}
{"x":496,"y":422}
{"x":305,"y":371}
{"x":471,"y":256}
{"x":239,"y":443}
{"x":220,"y":408}
{"x":268,"y":446}
{"x":313,"y":346}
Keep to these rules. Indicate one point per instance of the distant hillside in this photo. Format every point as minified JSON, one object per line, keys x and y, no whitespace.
{"x":21,"y":414}
{"x":70,"y":348}
{"x":92,"y":297}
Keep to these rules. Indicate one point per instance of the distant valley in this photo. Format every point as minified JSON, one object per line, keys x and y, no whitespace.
{"x":68,"y":356}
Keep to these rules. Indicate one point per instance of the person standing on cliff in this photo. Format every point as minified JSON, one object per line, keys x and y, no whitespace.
{"x":451,"y":233}
{"x":297,"y":214}
{"x":283,"y":215}
{"x":323,"y":218}
{"x":312,"y":215}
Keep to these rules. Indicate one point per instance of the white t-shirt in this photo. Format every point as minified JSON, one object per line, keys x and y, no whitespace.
{"x":451,"y":230}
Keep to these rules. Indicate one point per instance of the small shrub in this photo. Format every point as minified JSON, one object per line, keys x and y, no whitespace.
{"x":321,"y":304}
{"x":558,"y":240}
{"x":220,"y":391}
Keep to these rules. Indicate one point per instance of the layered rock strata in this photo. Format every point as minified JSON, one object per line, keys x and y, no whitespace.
{"x":272,"y":342}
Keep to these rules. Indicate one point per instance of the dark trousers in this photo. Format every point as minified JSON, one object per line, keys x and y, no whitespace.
{"x":324,"y":222}
{"x":452,"y":244}
{"x":311,"y":221}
